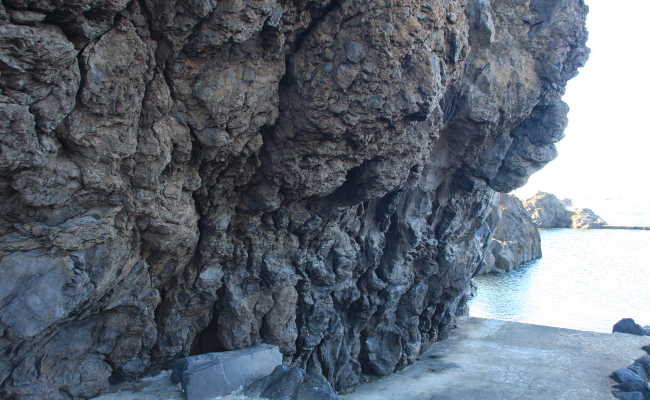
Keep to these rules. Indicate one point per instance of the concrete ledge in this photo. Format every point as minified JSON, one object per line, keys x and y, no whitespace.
{"x":499,"y":360}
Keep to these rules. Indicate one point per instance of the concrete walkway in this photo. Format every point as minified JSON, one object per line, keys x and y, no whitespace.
{"x":498,"y":360}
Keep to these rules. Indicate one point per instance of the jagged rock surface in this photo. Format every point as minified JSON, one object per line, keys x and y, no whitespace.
{"x":516,"y":240}
{"x":547,"y":211}
{"x":192,"y":176}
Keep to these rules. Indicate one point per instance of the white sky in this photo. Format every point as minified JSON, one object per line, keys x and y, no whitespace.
{"x":606,"y":151}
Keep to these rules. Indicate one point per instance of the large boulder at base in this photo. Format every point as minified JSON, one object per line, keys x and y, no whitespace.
{"x":585,"y":218}
{"x":210,"y":375}
{"x":547,"y":211}
{"x":202,"y":176}
{"x":516,"y":239}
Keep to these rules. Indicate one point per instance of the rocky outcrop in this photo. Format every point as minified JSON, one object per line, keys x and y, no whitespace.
{"x":585,"y":218}
{"x":190,"y":176}
{"x":515,"y":241}
{"x":547,"y":211}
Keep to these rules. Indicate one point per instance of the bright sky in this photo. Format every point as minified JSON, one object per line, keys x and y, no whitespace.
{"x":606,"y":151}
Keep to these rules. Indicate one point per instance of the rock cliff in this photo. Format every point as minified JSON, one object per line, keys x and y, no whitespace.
{"x":188,"y":176}
{"x":547,"y":211}
{"x":515,"y":241}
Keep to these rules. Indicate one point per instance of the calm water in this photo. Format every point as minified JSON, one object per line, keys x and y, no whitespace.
{"x":586,"y":280}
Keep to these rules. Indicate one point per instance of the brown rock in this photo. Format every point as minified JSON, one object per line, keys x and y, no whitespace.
{"x":193,"y":176}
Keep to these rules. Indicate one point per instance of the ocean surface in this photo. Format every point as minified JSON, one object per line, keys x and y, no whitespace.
{"x":585,"y":280}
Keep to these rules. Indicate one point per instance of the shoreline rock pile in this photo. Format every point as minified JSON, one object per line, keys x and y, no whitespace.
{"x":633,"y":382}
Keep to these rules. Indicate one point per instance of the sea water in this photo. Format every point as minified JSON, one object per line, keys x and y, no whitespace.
{"x":585,"y":280}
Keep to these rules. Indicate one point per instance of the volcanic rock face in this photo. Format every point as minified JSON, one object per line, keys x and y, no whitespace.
{"x":191,"y":176}
{"x":516,"y":240}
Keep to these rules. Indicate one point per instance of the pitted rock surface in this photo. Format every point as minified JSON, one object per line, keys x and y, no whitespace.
{"x":183,"y":177}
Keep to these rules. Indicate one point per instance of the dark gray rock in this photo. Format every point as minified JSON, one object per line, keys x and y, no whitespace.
{"x":284,"y":385}
{"x":627,"y":325}
{"x":207,"y":376}
{"x":629,"y":396}
{"x":645,"y":363}
{"x":515,"y":240}
{"x":629,"y":381}
{"x":193,"y":177}
{"x":267,"y":356}
{"x":291,"y":384}
{"x":316,"y":388}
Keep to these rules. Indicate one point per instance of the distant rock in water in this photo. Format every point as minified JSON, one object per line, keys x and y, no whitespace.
{"x":547,"y":211}
{"x":516,"y":239}
{"x":585,"y":218}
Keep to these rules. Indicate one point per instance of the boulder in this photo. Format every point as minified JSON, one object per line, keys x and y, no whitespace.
{"x":207,"y":376}
{"x":627,"y":325}
{"x":291,"y":384}
{"x":515,"y":241}
{"x":629,"y":381}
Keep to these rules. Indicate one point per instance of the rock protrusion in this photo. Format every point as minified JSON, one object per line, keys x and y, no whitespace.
{"x":182,"y":177}
{"x":547,"y":211}
{"x":516,"y":240}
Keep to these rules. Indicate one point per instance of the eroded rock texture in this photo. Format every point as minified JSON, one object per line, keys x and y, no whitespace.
{"x":188,"y":176}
